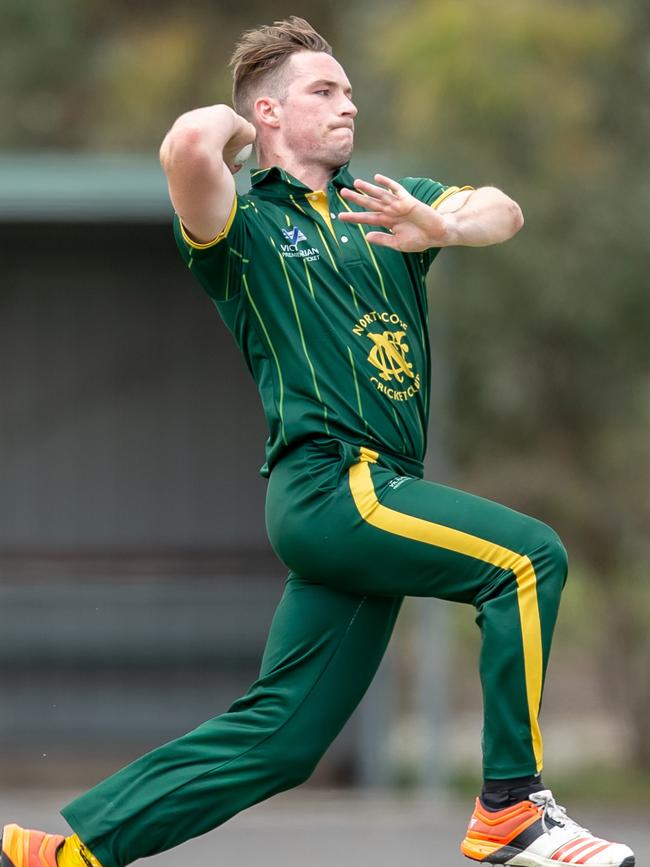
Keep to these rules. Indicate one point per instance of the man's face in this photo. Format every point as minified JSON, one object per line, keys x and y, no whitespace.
{"x":317,"y":116}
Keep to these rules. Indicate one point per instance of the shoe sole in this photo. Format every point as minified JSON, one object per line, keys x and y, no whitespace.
{"x":537,"y":861}
{"x":518,"y":859}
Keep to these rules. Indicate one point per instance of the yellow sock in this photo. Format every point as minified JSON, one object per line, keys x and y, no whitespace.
{"x":74,"y":853}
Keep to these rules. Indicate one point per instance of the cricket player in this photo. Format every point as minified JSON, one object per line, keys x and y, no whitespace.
{"x":321,"y":279}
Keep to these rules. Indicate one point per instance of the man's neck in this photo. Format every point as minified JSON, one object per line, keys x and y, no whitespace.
{"x":315,"y":177}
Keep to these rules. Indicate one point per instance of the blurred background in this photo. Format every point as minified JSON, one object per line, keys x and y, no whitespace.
{"x":137,"y":582}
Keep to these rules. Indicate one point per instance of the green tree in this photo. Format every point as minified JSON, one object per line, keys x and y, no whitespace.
{"x":547,"y":336}
{"x":82,"y":74}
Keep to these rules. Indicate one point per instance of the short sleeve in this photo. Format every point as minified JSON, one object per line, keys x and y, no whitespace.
{"x":432,"y":193}
{"x":220,"y":264}
{"x":429,"y":191}
{"x":424,"y":189}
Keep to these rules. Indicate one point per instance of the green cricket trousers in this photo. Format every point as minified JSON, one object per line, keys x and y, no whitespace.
{"x":358,"y":531}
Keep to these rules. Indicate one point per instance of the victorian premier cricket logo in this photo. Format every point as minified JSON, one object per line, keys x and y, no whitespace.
{"x":291,"y":250}
{"x":388,"y":354}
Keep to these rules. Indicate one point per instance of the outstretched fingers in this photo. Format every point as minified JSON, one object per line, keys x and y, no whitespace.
{"x":380,"y":194}
{"x":371,"y":218}
{"x":361,"y":199}
{"x":385,"y":193}
{"x":383,"y":206}
{"x":383,"y":239}
{"x":390,"y":184}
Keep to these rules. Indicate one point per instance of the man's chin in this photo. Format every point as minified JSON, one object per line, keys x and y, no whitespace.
{"x":341,"y":156}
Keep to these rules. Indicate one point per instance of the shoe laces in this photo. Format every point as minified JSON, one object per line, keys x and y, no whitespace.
{"x":554,"y":812}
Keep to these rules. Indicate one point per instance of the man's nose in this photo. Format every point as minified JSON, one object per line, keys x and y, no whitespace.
{"x":349,"y":108}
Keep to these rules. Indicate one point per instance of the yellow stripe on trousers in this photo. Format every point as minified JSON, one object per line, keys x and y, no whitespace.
{"x":419,"y":530}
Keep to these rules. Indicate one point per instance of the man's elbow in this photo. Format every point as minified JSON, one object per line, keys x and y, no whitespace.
{"x":507,"y":214}
{"x":184,"y":145}
{"x":516,"y":216}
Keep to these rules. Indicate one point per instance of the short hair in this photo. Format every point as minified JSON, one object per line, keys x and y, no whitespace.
{"x":261,"y":57}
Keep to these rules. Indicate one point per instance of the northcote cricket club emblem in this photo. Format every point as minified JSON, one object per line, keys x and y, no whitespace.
{"x":388,"y":355}
{"x":294,"y":236}
{"x":396,"y":380}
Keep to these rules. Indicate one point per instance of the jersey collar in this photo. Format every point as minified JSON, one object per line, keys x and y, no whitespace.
{"x":276,"y":183}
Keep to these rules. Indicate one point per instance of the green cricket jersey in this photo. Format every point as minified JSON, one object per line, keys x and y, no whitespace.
{"x":333,"y":329}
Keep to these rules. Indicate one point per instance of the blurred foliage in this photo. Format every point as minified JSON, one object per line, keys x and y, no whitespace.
{"x":547,"y":338}
{"x":86,"y":74}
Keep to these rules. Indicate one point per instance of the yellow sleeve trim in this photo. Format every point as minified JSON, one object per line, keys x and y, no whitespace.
{"x":222,"y":234}
{"x":448,"y":192}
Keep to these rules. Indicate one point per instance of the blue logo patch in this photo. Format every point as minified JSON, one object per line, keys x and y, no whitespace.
{"x":294,"y":236}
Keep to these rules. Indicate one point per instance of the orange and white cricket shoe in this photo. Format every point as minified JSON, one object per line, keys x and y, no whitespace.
{"x":23,"y":848}
{"x":538,"y":833}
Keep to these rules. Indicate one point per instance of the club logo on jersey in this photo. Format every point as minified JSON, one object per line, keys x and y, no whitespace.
{"x":294,"y":236}
{"x":388,"y":355}
{"x":291,"y":250}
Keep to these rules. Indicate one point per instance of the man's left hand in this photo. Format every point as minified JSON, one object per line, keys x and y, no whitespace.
{"x":413,"y":226}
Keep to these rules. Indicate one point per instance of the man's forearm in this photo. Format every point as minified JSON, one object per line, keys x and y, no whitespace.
{"x":484,"y":216}
{"x":196,"y":156}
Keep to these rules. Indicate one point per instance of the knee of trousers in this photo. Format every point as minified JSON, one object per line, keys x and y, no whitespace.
{"x":550,"y":559}
{"x":297,"y":761}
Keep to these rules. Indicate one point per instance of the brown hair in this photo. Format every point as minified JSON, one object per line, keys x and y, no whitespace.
{"x":261,"y":56}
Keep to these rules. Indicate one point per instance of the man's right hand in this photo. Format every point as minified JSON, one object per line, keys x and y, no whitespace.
{"x":195,"y":156}
{"x":244,"y":134}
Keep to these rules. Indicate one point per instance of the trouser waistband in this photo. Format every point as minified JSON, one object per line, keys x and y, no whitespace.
{"x":352,"y":453}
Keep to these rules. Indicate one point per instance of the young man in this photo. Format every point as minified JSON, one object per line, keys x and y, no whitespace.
{"x":332,"y":322}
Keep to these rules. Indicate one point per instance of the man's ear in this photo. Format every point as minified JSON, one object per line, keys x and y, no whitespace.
{"x":267,"y":111}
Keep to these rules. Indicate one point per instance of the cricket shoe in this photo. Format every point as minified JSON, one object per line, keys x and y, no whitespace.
{"x":538,"y":833}
{"x":22,"y":848}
